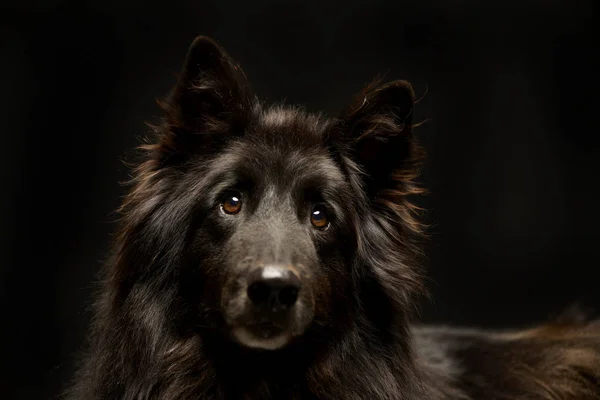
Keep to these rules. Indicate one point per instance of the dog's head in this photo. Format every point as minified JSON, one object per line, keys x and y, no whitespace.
{"x":270,"y":223}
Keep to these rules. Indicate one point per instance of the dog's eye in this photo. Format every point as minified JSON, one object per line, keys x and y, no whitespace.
{"x":232,"y":204}
{"x":318,"y":217}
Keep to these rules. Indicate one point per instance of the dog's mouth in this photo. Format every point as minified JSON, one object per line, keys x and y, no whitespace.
{"x":268,"y":309}
{"x":264,"y":335}
{"x":266,"y":330}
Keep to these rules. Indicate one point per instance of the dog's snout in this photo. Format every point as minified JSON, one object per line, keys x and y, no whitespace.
{"x":274,"y":288}
{"x":269,"y":303}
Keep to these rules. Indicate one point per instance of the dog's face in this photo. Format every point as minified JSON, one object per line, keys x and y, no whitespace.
{"x":270,"y":219}
{"x":270,"y":241}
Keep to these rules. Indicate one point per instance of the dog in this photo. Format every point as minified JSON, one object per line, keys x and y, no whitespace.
{"x":264,"y":252}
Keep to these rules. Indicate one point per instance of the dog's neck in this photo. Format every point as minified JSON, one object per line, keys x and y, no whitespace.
{"x":354,"y":361}
{"x":333,"y":369}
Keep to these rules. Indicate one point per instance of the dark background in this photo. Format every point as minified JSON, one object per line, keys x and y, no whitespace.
{"x":513,"y":143}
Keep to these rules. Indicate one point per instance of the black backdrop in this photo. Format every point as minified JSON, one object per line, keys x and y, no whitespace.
{"x":513,"y":142}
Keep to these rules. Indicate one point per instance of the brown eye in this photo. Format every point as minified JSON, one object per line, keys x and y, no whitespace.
{"x":232,"y":204}
{"x":318,"y":217}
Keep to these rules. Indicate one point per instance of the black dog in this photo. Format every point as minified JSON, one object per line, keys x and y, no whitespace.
{"x":266,"y":253}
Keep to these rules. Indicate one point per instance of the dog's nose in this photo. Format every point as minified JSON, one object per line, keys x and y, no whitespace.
{"x":273,"y":287}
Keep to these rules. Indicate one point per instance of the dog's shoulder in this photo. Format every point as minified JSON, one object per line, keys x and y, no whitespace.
{"x":558,"y":360}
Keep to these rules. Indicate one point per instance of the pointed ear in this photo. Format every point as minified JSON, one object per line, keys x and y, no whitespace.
{"x":378,"y":129}
{"x":212,"y":93}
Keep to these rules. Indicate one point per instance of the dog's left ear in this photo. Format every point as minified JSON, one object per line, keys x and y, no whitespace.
{"x":376,"y":135}
{"x":377,"y":128}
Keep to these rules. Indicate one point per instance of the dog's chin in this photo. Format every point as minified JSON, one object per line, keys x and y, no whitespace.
{"x":261,"y":338}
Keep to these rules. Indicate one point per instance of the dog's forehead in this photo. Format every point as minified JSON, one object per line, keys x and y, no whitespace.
{"x":289,"y":140}
{"x":276,"y":117}
{"x":286,"y":145}
{"x":265,"y":158}
{"x":292,"y":123}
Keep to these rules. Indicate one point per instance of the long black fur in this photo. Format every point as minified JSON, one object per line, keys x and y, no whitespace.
{"x":158,"y":331}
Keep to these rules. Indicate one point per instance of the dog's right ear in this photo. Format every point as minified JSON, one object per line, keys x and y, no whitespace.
{"x":212,"y":94}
